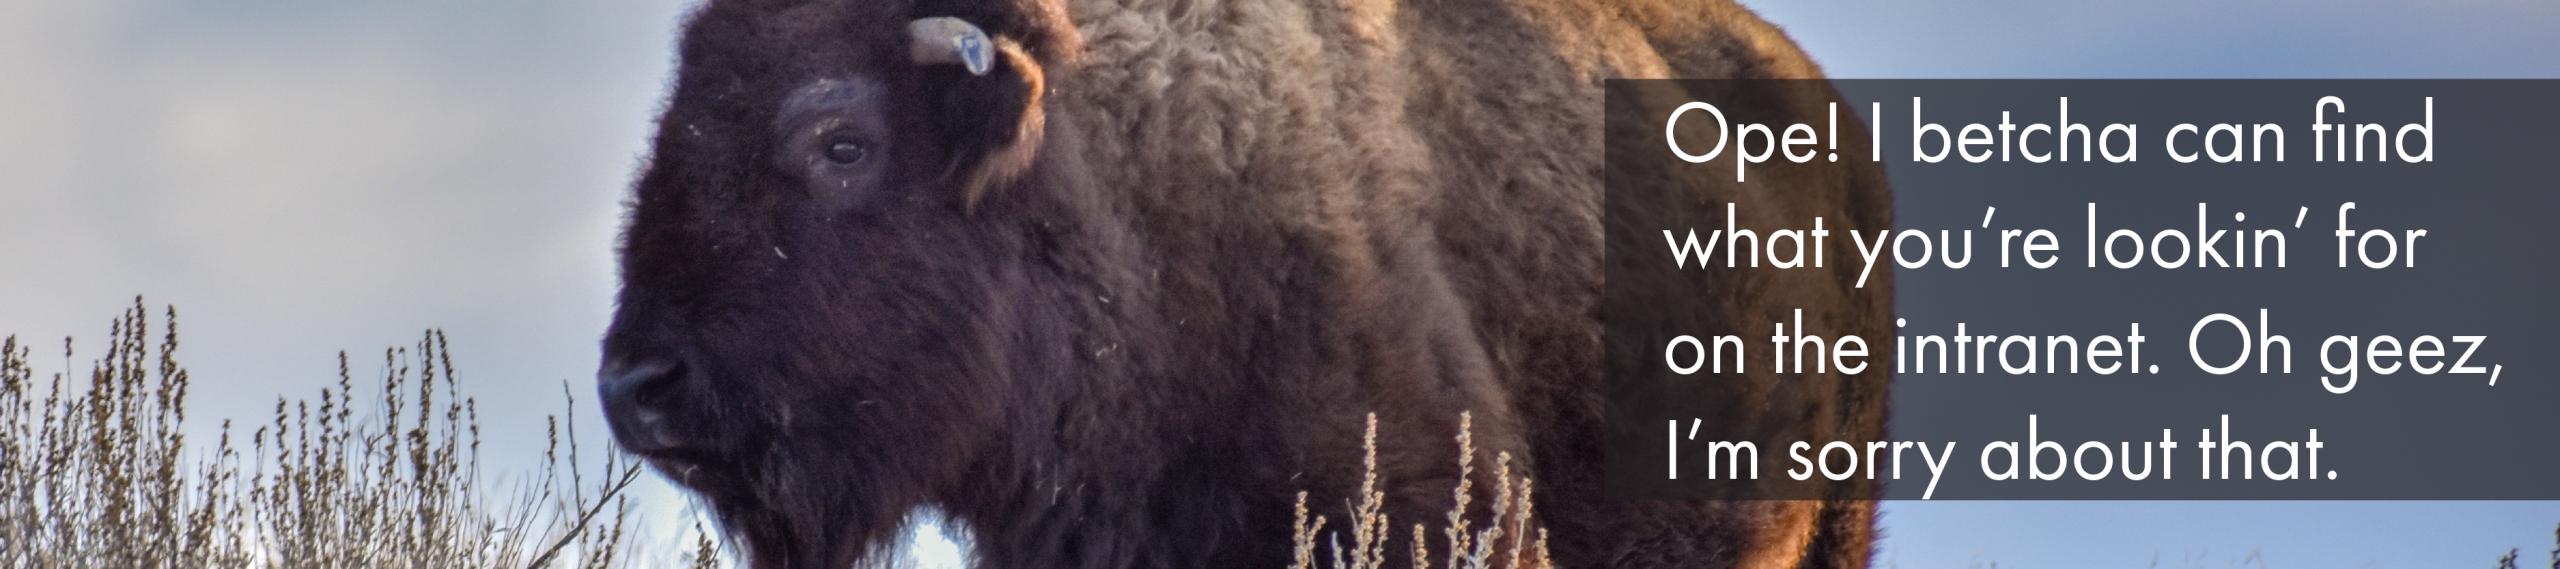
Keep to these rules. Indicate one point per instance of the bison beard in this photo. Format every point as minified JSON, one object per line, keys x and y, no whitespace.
{"x":1117,"y":290}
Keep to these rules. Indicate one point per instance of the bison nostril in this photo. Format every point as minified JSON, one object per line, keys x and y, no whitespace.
{"x":637,"y":397}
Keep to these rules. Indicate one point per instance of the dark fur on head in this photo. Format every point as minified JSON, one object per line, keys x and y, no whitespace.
{"x":801,"y":319}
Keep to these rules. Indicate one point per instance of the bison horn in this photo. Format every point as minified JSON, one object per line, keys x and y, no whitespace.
{"x":947,"y":40}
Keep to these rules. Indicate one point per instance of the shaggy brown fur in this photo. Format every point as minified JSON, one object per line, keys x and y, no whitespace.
{"x":1114,"y":303}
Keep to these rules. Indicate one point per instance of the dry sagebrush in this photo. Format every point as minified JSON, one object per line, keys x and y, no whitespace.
{"x":102,"y":475}
{"x":1503,"y":543}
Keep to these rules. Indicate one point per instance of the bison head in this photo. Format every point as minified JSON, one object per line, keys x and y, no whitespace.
{"x":824,"y":271}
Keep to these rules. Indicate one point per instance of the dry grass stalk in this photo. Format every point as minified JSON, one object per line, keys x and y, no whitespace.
{"x":1468,"y":548}
{"x":103,"y":477}
{"x":1369,"y":532}
{"x":1421,"y":554}
{"x":706,"y":552}
{"x":1303,"y":535}
{"x":105,"y":470}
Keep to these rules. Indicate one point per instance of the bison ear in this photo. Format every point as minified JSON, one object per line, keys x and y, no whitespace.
{"x":993,"y":111}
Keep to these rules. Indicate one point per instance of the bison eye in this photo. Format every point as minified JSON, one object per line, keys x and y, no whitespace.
{"x":845,"y":152}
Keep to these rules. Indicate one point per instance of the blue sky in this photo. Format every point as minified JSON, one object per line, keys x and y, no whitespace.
{"x":305,"y":176}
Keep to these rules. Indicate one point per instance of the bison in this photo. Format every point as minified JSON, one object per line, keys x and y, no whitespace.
{"x":1110,"y":281}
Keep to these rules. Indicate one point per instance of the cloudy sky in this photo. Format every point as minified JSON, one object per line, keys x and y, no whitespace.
{"x":301,"y":177}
